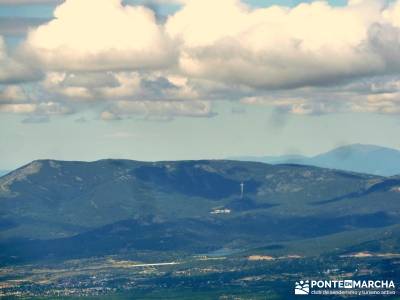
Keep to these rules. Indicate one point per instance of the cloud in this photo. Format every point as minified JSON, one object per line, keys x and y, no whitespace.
{"x":378,"y":96}
{"x":94,"y":35}
{"x":310,"y":59}
{"x":52,"y":108}
{"x":109,"y":86}
{"x":13,"y":71}
{"x":297,"y":106}
{"x":277,"y":47}
{"x":155,"y":109}
{"x":109,"y":116}
{"x":312,"y":44}
{"x":87,"y":86}
{"x":44,"y":108}
{"x":24,"y":108}
{"x":29,"y":2}
{"x":375,"y":95}
{"x":153,"y":95}
{"x":12,"y":94}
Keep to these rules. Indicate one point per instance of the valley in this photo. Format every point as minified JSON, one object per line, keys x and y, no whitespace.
{"x":195,"y":277}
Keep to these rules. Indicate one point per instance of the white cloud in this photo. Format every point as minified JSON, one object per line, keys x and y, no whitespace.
{"x":20,"y":2}
{"x":121,"y":60}
{"x":24,"y":108}
{"x":52,"y":108}
{"x":295,"y":105}
{"x":376,"y":95}
{"x":150,"y":109}
{"x":225,"y":41}
{"x":392,"y":14}
{"x":100,"y":35}
{"x":109,"y":86}
{"x":14,"y":71}
{"x":12,"y":94}
{"x":109,"y":116}
{"x":278,"y":47}
{"x":42,"y":108}
{"x":125,"y":94}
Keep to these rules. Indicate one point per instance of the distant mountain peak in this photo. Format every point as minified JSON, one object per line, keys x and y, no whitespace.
{"x":362,"y":148}
{"x":361,"y":158}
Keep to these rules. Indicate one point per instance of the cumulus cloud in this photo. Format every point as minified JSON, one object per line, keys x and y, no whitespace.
{"x":109,"y":86}
{"x":14,"y":99}
{"x":157,"y":109}
{"x":307,"y":59}
{"x":43,"y":111}
{"x":226,"y":41}
{"x":12,"y":94}
{"x":100,"y":35}
{"x":12,"y":70}
{"x":279,"y":47}
{"x":109,"y":116}
{"x":80,"y":86}
{"x":36,"y":109}
{"x":296,"y":105}
{"x":24,"y":108}
{"x":375,"y":95}
{"x":28,"y":2}
{"x":311,"y":44}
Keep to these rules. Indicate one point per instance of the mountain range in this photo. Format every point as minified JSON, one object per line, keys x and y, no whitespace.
{"x":58,"y":209}
{"x":369,"y":159}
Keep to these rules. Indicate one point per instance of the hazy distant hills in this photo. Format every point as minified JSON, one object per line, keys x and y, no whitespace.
{"x":3,"y":172}
{"x":54,"y":209}
{"x":368,"y":159}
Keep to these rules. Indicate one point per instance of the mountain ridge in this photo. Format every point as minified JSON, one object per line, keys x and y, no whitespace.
{"x":192,"y":206}
{"x":360,"y":158}
{"x":3,"y":172}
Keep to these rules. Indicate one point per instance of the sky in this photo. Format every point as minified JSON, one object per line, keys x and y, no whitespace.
{"x":195,"y":79}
